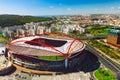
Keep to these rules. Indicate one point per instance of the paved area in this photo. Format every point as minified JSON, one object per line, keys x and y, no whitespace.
{"x":26,"y":76}
{"x":77,"y":75}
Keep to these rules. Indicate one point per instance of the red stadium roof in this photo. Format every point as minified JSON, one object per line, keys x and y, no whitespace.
{"x":29,"y":45}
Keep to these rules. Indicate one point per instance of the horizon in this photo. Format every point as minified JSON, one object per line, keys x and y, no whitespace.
{"x":59,"y":7}
{"x":58,"y":15}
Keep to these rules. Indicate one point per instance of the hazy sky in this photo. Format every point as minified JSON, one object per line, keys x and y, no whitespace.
{"x":59,"y":7}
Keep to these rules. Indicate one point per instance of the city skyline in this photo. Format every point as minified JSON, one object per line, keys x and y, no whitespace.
{"x":59,"y":7}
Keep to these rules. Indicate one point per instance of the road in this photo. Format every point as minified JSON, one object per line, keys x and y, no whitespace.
{"x":93,"y":37}
{"x":105,"y":61}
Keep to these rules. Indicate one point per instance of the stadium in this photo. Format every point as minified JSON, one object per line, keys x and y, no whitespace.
{"x":46,"y":52}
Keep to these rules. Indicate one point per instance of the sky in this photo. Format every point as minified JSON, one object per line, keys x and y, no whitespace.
{"x":59,"y":7}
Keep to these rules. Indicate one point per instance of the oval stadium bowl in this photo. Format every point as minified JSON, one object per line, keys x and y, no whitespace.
{"x":46,"y":52}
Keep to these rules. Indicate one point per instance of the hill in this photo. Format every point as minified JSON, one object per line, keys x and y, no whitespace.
{"x":10,"y":20}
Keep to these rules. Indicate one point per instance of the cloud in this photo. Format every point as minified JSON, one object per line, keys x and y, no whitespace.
{"x":41,"y":8}
{"x":51,"y":7}
{"x":69,"y":9}
{"x":118,"y":8}
{"x":96,"y":9}
{"x":115,"y":8}
{"x":112,"y":7}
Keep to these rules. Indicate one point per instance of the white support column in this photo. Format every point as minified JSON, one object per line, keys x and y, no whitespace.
{"x":66,"y":63}
{"x":9,"y":54}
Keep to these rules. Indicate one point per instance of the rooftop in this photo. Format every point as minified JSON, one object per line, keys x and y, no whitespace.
{"x":114,"y":30}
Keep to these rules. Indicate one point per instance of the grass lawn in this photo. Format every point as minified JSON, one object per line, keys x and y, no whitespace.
{"x":1,"y":35}
{"x":106,"y":49}
{"x":104,"y":74}
{"x":97,"y":30}
{"x":51,"y":57}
